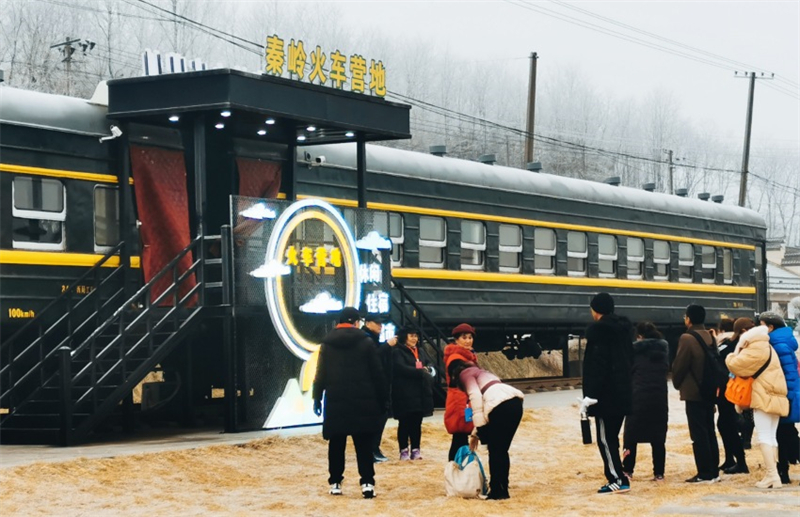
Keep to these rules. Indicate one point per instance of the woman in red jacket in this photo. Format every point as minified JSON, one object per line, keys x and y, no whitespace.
{"x":457,"y":413}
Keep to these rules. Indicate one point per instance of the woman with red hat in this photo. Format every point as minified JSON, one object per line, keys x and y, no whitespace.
{"x":457,"y":412}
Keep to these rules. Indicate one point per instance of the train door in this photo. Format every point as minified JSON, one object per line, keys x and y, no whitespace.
{"x":760,"y":280}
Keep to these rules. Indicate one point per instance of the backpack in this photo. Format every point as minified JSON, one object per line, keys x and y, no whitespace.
{"x":715,"y":374}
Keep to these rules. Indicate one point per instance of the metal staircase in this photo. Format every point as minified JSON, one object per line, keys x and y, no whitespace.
{"x":57,"y":387}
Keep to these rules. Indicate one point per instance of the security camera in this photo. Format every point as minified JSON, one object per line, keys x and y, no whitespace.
{"x":115,"y":133}
{"x":319,"y":160}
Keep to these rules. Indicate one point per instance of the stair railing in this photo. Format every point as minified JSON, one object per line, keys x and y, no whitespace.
{"x":73,"y":321}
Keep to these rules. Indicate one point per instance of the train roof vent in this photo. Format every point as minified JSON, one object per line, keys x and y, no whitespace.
{"x":438,"y":150}
{"x":534,"y":166}
{"x":704,"y":196}
{"x":681,"y":192}
{"x":613,"y":180}
{"x":488,"y":159}
{"x":650,"y":187}
{"x":719,"y":198}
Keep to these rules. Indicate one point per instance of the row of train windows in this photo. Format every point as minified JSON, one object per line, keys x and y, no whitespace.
{"x":433,"y":244}
{"x":39,"y":212}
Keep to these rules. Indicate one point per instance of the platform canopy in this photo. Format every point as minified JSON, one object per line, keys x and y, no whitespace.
{"x":253,"y":106}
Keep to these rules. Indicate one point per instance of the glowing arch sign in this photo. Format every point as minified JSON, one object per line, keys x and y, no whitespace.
{"x":275,"y":268}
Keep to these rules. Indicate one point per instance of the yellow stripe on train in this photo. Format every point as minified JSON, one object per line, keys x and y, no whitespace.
{"x":55,"y":258}
{"x":513,"y":278}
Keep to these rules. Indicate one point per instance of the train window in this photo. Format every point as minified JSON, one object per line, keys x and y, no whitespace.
{"x":510,"y":248}
{"x":473,"y":244}
{"x":432,"y":241}
{"x":685,"y":262}
{"x":577,"y":252}
{"x":544,"y":240}
{"x":38,"y":211}
{"x":727,"y":266}
{"x":397,"y":236}
{"x":607,"y":255}
{"x":635,"y":258}
{"x":709,"y":264}
{"x":661,"y":260}
{"x":106,"y":217}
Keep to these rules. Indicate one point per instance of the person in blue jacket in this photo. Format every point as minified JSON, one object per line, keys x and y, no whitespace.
{"x":785,"y":345}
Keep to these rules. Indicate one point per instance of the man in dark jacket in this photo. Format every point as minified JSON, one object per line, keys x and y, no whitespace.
{"x":607,"y":379}
{"x":373,"y":324}
{"x":350,"y":376}
{"x":687,"y":377}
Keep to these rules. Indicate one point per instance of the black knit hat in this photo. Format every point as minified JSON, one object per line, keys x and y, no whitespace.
{"x":602,"y":303}
{"x":349,"y":315}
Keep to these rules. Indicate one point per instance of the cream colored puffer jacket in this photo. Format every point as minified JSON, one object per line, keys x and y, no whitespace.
{"x":769,"y":388}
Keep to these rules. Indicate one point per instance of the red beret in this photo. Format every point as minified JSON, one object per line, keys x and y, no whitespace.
{"x":464,"y":328}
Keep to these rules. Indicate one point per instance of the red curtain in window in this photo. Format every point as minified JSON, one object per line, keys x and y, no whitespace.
{"x":257,"y":178}
{"x":163,"y":208}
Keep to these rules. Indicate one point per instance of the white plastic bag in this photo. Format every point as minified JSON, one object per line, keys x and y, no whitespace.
{"x":464,"y":476}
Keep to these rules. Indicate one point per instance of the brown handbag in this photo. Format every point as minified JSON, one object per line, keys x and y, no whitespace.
{"x":740,"y":389}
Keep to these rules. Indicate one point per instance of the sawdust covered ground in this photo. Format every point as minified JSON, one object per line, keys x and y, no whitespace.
{"x":552,"y":474}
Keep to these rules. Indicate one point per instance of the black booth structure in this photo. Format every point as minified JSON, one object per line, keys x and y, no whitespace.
{"x":197,"y":151}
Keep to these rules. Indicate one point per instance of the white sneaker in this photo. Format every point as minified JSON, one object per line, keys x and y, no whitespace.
{"x":368,"y":490}
{"x":336,"y":489}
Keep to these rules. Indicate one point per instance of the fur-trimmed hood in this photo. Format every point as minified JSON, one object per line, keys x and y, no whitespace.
{"x":758,"y":333}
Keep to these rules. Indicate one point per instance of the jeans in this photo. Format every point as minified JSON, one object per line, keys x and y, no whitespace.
{"x":700,"y":416}
{"x":363,"y":445}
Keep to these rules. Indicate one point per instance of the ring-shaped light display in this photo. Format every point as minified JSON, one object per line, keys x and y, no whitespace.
{"x":276,"y":249}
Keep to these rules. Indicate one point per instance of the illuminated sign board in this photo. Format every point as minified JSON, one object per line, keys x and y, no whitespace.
{"x":343,"y":72}
{"x":314,"y":266}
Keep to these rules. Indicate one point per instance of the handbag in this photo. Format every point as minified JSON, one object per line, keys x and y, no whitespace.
{"x":740,"y":389}
{"x":464,"y":476}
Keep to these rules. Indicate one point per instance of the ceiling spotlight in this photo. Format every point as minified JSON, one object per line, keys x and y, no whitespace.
{"x":262,"y":132}
{"x":225,"y":113}
{"x":301,"y":138}
{"x":349,"y":134}
{"x":174,"y":118}
{"x":219,"y":125}
{"x":270,"y":121}
{"x":311,"y":128}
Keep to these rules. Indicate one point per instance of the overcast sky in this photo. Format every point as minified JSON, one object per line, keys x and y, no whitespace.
{"x":760,"y":34}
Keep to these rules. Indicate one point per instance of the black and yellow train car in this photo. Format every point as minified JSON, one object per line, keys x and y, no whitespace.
{"x":519,"y":253}
{"x":59,"y":209}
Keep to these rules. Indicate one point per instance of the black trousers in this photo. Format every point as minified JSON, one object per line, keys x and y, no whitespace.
{"x":504,"y":420}
{"x":700,"y":416}
{"x":608,"y":427}
{"x":409,"y":428}
{"x":659,"y":458}
{"x":728,"y":427}
{"x":366,"y":463}
{"x":458,"y":441}
{"x":378,"y":437}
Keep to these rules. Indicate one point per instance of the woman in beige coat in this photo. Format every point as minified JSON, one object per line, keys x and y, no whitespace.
{"x":768,"y":401}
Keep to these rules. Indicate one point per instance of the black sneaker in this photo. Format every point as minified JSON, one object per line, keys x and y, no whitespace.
{"x":378,"y":457}
{"x":368,"y":490}
{"x":739,"y":468}
{"x":698,"y":479}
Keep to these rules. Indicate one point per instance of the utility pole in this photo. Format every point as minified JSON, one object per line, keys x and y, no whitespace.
{"x":531,"y":109}
{"x":671,"y":169}
{"x":68,"y":50}
{"x":748,"y":125}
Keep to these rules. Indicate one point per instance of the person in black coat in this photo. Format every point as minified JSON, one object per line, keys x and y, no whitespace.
{"x":373,"y":325}
{"x":350,"y":377}
{"x":727,"y":419}
{"x":607,"y":379}
{"x":647,"y":422}
{"x":412,"y":392}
